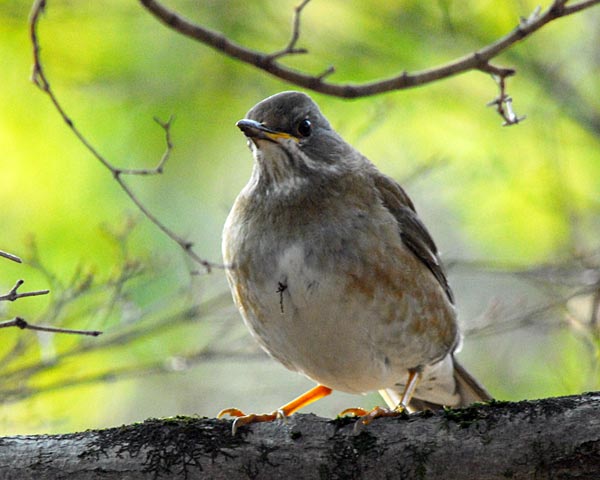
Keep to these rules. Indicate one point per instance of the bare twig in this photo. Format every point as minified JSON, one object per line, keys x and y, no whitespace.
{"x":525,"y":318}
{"x":114,"y":374}
{"x":330,"y":70}
{"x":576,"y":277}
{"x":19,"y":322}
{"x":166,"y":126}
{"x":10,"y":256}
{"x":24,"y":325}
{"x":578,"y":6}
{"x":479,"y":60}
{"x":291,"y":49}
{"x":503,"y":103}
{"x":12,"y":295}
{"x":146,"y":327}
{"x":40,"y":79}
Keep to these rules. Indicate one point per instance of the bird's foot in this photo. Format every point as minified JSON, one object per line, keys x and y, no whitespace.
{"x":306,"y":398}
{"x":242,"y":419}
{"x":365,"y":417}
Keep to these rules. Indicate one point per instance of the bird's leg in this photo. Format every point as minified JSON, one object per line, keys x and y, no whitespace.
{"x":366,"y":417}
{"x":302,"y":401}
{"x":414,"y":377}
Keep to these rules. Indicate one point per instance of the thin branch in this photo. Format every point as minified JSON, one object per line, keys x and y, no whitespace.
{"x":578,"y":6}
{"x":12,"y":295}
{"x":24,"y":325}
{"x":166,"y":126}
{"x":572,"y":277}
{"x":291,"y":49}
{"x":140,"y":330}
{"x":10,"y":256}
{"x":161,"y":366}
{"x":40,"y":79}
{"x":527,"y":318}
{"x":330,"y":70}
{"x":503,"y":103}
{"x":479,"y":60}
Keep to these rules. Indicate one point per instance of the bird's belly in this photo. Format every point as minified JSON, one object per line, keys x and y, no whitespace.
{"x":313,"y":323}
{"x":309,"y":330}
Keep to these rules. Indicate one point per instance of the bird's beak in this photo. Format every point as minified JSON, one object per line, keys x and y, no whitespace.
{"x":255,"y":130}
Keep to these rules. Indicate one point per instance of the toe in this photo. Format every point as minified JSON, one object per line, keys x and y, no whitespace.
{"x":355,"y":412}
{"x":378,"y":412}
{"x":243,"y":419}
{"x":232,"y":412}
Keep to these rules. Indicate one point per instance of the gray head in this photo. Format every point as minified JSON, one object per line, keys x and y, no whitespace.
{"x":292,"y":140}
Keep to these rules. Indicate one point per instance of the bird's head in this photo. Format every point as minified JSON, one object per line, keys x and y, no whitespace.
{"x":291,"y":140}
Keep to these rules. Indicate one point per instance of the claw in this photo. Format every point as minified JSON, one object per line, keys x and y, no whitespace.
{"x":243,"y":419}
{"x":282,"y":413}
{"x":355,"y":412}
{"x":233,"y":412}
{"x":252,"y":418}
{"x":366,"y":417}
{"x":279,"y":414}
{"x":378,"y":412}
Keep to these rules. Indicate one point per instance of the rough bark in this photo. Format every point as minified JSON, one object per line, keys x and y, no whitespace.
{"x":554,"y":438}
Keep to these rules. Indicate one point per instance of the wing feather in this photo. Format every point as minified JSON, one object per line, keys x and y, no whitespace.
{"x":413,"y":232}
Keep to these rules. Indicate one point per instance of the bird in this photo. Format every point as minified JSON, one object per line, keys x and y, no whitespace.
{"x":334,"y":273}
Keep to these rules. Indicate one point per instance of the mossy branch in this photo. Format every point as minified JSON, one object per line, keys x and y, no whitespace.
{"x":550,"y":438}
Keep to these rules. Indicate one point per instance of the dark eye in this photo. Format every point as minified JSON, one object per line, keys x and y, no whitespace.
{"x":305,"y":128}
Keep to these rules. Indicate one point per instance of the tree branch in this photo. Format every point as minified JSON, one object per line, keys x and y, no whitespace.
{"x":166,"y":126}
{"x":291,"y":49}
{"x":12,"y":295}
{"x":41,"y":81}
{"x":10,"y":256}
{"x":24,"y":325}
{"x":479,"y":60}
{"x":503,"y":103}
{"x":551,"y":438}
{"x":21,"y":323}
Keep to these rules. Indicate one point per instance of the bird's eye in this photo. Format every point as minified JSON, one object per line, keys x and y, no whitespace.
{"x":305,"y":128}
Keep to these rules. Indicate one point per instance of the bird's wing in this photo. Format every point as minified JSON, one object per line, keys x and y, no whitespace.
{"x":413,"y":232}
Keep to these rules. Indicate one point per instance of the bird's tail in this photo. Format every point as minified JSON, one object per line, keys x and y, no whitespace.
{"x":447,"y":384}
{"x":468,"y":387}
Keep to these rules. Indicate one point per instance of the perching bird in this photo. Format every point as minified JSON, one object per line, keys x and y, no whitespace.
{"x":334,"y":273}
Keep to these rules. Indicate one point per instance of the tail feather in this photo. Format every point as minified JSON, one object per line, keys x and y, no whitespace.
{"x":460,"y":390}
{"x":467,"y":386}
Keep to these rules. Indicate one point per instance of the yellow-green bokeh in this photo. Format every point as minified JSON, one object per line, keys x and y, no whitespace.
{"x":497,"y":194}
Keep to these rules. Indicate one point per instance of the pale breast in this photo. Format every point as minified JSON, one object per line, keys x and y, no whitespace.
{"x":340,"y":298}
{"x":351,"y":332}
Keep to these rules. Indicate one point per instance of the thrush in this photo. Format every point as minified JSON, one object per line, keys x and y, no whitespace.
{"x":334,"y":273}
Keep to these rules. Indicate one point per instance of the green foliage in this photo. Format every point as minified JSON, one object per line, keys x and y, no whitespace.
{"x":518,"y":197}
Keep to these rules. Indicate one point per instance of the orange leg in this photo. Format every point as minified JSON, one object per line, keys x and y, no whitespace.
{"x":414,"y":375}
{"x":302,"y":401}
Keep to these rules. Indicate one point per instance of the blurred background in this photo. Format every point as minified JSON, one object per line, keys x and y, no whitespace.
{"x":515,"y":211}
